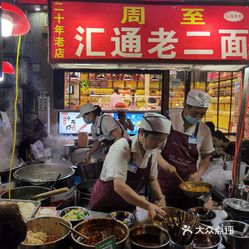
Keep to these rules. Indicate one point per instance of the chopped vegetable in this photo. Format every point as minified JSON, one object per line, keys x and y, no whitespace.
{"x":75,"y":214}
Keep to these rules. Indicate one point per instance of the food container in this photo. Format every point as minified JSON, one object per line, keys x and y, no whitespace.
{"x":205,"y":215}
{"x":100,"y":229}
{"x":196,"y":189}
{"x":206,"y":238}
{"x":74,"y":214}
{"x":238,"y":237}
{"x":26,"y":193}
{"x":50,"y":226}
{"x":238,"y":209}
{"x":83,"y":192}
{"x":27,"y":208}
{"x":149,"y":236}
{"x":126,"y":217}
{"x":45,"y":175}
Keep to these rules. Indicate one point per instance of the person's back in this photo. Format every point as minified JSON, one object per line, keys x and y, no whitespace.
{"x":116,"y":98}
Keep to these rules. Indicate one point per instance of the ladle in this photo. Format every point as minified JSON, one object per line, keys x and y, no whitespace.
{"x":49,"y":193}
{"x":74,"y":231}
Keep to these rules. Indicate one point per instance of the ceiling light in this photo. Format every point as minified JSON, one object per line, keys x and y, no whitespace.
{"x":7,"y":68}
{"x":15,"y":15}
{"x":127,"y":77}
{"x":37,"y":9}
{"x":100,"y":77}
{"x":7,"y":25}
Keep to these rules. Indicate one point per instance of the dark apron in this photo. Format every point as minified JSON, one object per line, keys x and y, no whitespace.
{"x":183,"y":155}
{"x":105,"y":199}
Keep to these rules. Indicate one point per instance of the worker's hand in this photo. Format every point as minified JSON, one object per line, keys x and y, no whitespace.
{"x":171,"y":169}
{"x":161,"y":202}
{"x":195,"y":176}
{"x":87,"y":157}
{"x":154,"y":210}
{"x":211,"y":204}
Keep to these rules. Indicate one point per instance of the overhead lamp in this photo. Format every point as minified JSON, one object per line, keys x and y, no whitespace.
{"x":73,"y":75}
{"x":154,"y":78}
{"x":8,"y":68}
{"x":127,"y":77}
{"x":100,"y":77}
{"x":14,"y":21}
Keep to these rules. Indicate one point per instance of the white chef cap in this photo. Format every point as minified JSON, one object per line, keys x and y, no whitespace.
{"x":156,"y":122}
{"x":89,"y":107}
{"x":198,"y":98}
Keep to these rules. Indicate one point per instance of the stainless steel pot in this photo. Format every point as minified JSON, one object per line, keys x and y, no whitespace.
{"x":89,"y":170}
{"x":149,"y":236}
{"x":50,"y":226}
{"x":4,"y":173}
{"x":26,"y":193}
{"x":45,"y":175}
{"x":238,"y":237}
{"x":95,"y":227}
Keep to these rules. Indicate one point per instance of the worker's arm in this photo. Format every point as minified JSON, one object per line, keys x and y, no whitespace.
{"x":164,"y":164}
{"x":128,"y":194}
{"x":130,"y":125}
{"x":203,"y":166}
{"x":93,"y":149}
{"x":116,"y":134}
{"x":157,"y":193}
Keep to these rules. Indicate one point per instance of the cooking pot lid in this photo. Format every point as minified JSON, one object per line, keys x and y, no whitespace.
{"x":43,"y":172}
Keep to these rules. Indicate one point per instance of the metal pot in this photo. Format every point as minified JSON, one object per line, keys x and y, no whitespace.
{"x":26,"y":193}
{"x":238,"y":209}
{"x":49,"y":225}
{"x":89,"y":170}
{"x":45,"y":175}
{"x":4,"y":173}
{"x":207,"y":239}
{"x":83,"y":192}
{"x":93,"y":227}
{"x":149,"y":236}
{"x":239,"y":237}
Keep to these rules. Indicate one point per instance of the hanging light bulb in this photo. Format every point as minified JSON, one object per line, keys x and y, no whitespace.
{"x":7,"y":68}
{"x":11,"y":13}
{"x":7,"y":25}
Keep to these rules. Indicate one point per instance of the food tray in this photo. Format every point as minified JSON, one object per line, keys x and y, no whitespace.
{"x":32,"y":213}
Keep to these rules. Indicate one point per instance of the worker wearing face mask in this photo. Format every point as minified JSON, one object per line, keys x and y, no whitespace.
{"x":129,"y":166}
{"x":188,"y":147}
{"x":105,"y":129}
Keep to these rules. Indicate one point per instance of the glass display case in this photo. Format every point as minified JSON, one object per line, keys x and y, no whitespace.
{"x":140,"y":93}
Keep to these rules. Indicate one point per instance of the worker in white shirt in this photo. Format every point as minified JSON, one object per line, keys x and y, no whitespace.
{"x":129,"y":166}
{"x":116,"y":97}
{"x":105,"y":129}
{"x":188,"y":148}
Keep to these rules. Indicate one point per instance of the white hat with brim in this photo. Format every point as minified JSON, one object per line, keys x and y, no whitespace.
{"x":155,"y":122}
{"x":198,"y":98}
{"x":86,"y":109}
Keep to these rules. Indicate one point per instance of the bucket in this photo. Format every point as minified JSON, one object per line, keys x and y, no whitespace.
{"x":83,"y":192}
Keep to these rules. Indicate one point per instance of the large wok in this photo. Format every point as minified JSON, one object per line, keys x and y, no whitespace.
{"x":196,"y":189}
{"x":26,"y":193}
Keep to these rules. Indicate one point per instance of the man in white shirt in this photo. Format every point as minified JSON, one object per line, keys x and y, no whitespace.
{"x":188,"y":148}
{"x":116,"y":98}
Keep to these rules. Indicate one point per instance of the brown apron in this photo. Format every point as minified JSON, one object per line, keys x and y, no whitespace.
{"x":180,"y":151}
{"x":105,"y":199}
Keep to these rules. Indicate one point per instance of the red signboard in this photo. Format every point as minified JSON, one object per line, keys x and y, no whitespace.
{"x":32,"y":2}
{"x":81,"y":31}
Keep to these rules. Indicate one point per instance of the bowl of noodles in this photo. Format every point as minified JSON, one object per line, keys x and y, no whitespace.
{"x":196,"y":189}
{"x":45,"y":233}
